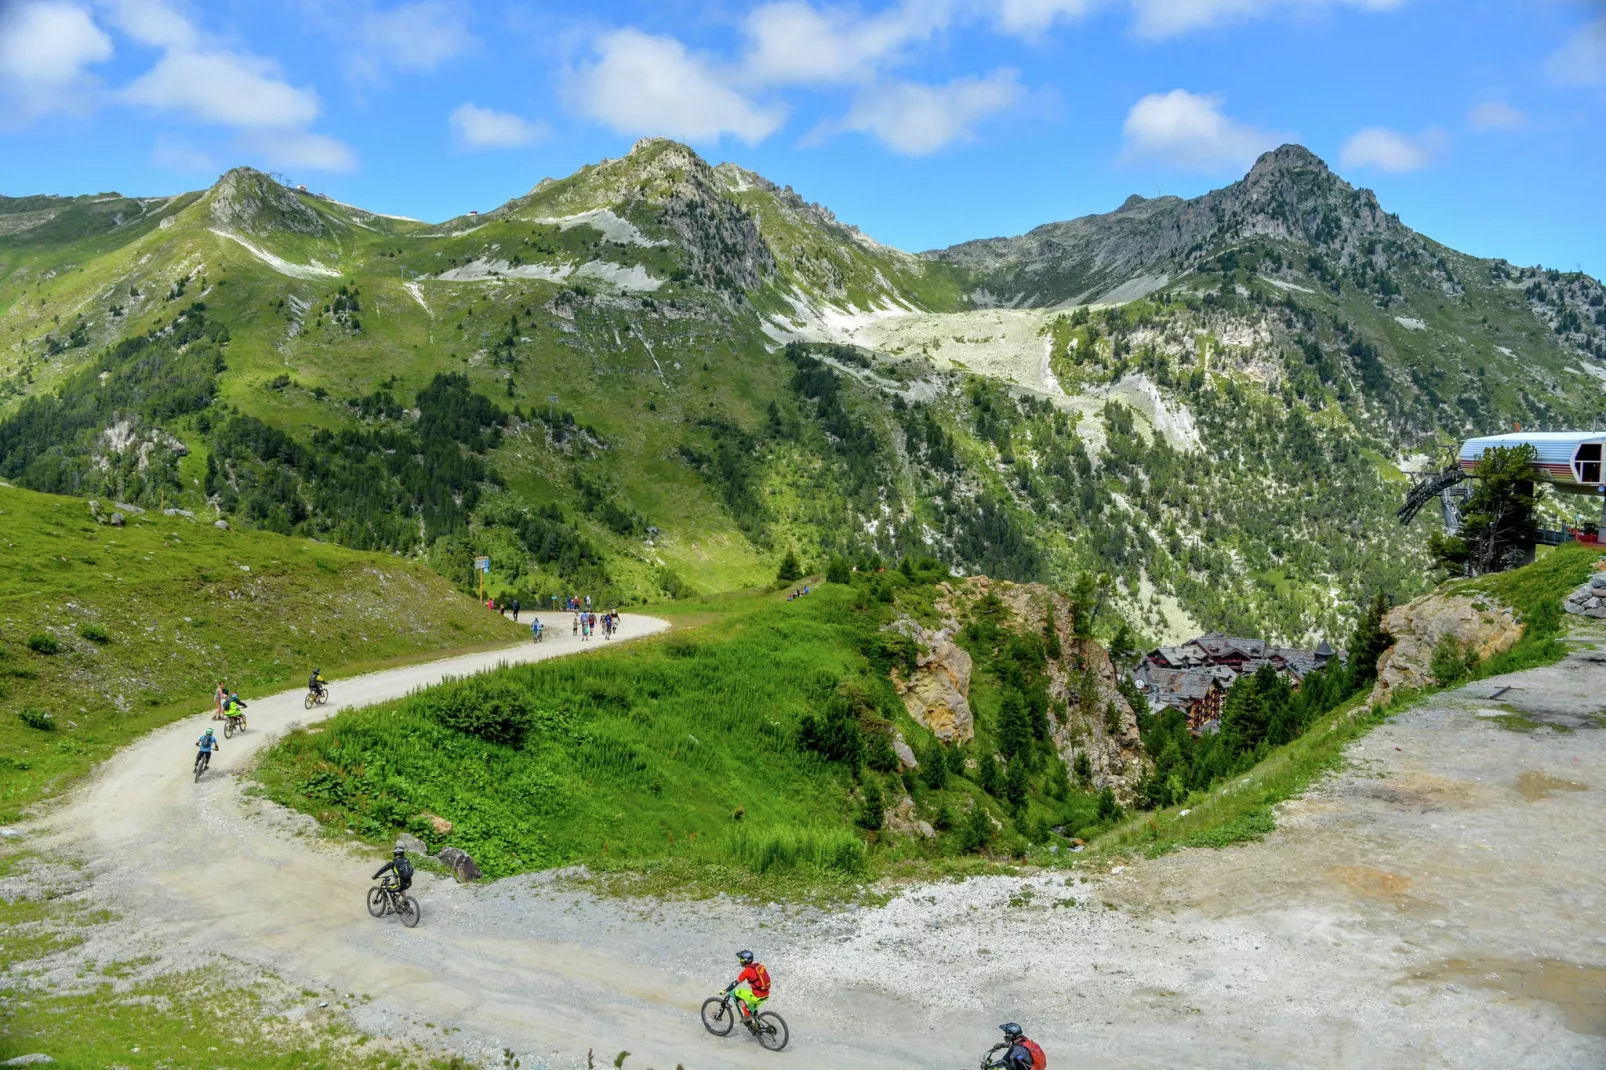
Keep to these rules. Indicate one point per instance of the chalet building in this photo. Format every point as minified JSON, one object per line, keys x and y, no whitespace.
{"x":1194,"y":677}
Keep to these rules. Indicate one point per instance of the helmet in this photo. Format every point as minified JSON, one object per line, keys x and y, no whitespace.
{"x":400,"y":850}
{"x":1011,"y":1030}
{"x":208,"y":731}
{"x":744,"y":957}
{"x":317,"y":672}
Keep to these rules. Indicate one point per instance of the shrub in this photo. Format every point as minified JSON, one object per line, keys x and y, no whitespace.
{"x":1109,"y":809}
{"x":790,"y":571}
{"x":1452,"y":661}
{"x":934,"y":767}
{"x":838,"y":571}
{"x":879,"y":754}
{"x":43,"y":643}
{"x":94,"y":633}
{"x":496,"y":710}
{"x":873,"y":815}
{"x":835,"y":736}
{"x":37,"y":718}
{"x":976,"y":830}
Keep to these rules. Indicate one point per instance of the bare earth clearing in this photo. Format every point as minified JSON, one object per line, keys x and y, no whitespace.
{"x":1438,"y":904}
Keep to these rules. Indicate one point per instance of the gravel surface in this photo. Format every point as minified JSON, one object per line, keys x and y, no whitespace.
{"x":1437,"y":904}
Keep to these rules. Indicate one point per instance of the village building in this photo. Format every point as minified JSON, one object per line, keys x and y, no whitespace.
{"x":1194,"y":677}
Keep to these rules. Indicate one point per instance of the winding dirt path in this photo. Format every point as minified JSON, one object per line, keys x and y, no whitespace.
{"x":1438,"y":904}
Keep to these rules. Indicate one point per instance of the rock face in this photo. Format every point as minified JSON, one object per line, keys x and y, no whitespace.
{"x":250,"y":201}
{"x":901,"y":820}
{"x":937,"y":695}
{"x":1081,"y":682}
{"x":1481,"y":625}
{"x":457,"y":860}
{"x":1590,"y":598}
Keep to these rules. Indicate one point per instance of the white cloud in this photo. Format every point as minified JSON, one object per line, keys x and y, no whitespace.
{"x":224,"y":88}
{"x":1034,"y":16}
{"x":214,"y":84}
{"x":641,"y":84}
{"x":1190,"y":131}
{"x":173,"y":154}
{"x":1493,"y":115}
{"x":920,"y":119}
{"x":1582,"y":59}
{"x":481,"y":128}
{"x":418,"y":36}
{"x":1170,"y":18}
{"x":791,"y":42}
{"x":1391,"y":151}
{"x":45,"y":46}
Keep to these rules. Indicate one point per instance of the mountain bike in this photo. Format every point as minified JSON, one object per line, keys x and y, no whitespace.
{"x":721,"y":1013}
{"x":202,"y":760}
{"x":234,"y":723}
{"x":386,"y":898}
{"x":315,"y":697}
{"x":986,"y":1060}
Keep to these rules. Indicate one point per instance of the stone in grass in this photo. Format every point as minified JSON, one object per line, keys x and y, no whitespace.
{"x":412,"y":844}
{"x":457,"y":860}
{"x":221,"y":525}
{"x":117,"y":520}
{"x":36,"y":1059}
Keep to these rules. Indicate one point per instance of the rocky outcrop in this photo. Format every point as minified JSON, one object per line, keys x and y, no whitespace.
{"x":1481,"y":626}
{"x":457,"y":860}
{"x":251,"y":202}
{"x":1091,"y":716}
{"x":937,"y":693}
{"x":1590,"y":598}
{"x":901,"y":820}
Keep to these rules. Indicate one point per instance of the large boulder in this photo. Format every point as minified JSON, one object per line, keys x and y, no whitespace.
{"x":1589,"y":600}
{"x":457,"y":860}
{"x":1480,"y":625}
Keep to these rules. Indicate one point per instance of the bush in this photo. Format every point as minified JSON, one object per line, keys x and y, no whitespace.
{"x":37,"y":718}
{"x":934,"y":767}
{"x":1452,"y":661}
{"x":43,"y":643}
{"x":790,"y":571}
{"x":976,"y":830}
{"x":496,"y":710}
{"x":873,"y":815}
{"x":879,"y":754}
{"x":94,"y":633}
{"x":839,"y":571}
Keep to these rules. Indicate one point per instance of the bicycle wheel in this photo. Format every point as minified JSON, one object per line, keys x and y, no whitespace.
{"x":200,"y":766}
{"x":307,"y":702}
{"x":410,"y":913}
{"x":376,"y":901}
{"x":770,"y":1028}
{"x":718,"y":1018}
{"x":228,"y":729}
{"x":323,"y":696}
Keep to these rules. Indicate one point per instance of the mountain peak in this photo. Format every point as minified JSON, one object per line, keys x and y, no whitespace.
{"x":1289,"y":157}
{"x":245,"y":199}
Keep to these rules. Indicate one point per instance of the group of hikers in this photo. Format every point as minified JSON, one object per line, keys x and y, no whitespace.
{"x":798,"y":592}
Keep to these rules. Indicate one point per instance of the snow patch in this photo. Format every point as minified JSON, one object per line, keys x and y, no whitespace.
{"x":314,"y":270}
{"x":610,"y":226}
{"x":1410,"y":323}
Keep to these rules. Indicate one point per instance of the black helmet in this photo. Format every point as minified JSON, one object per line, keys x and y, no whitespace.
{"x":1011,"y":1031}
{"x":400,"y":850}
{"x":744,"y":957}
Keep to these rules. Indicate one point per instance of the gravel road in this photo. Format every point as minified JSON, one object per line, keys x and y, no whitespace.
{"x":1437,"y":904}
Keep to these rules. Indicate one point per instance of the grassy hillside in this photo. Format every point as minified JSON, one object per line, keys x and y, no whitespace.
{"x":108,"y":631}
{"x":750,"y":747}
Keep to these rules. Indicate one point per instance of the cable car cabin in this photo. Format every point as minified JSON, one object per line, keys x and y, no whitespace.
{"x":1570,"y":461}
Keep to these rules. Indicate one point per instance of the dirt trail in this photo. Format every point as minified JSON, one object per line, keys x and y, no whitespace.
{"x":1439,"y":904}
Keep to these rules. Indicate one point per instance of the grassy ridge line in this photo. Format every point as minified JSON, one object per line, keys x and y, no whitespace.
{"x":1241,"y":809}
{"x":145,"y":619}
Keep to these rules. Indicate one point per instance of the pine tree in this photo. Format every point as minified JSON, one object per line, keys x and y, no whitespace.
{"x":790,"y":571}
{"x":873,"y":816}
{"x":1051,"y":635}
{"x":988,"y":777}
{"x":1368,"y":644}
{"x":1014,"y":726}
{"x":1016,"y":785}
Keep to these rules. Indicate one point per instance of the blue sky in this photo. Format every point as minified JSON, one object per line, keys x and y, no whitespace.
{"x":1481,"y":122}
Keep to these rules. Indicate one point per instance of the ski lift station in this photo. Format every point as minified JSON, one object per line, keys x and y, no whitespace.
{"x":1570,"y":461}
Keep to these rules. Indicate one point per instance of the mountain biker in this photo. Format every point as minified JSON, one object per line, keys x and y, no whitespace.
{"x":1020,"y":1052}
{"x":315,"y":682}
{"x":232,"y":705}
{"x":752,"y":985}
{"x":208,"y":744}
{"x":535,"y":630}
{"x":403,"y":869}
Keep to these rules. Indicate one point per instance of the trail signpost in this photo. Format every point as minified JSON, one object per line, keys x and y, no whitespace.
{"x":482,"y":565}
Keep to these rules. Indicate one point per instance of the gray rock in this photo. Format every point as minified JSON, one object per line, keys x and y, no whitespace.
{"x":125,"y":507}
{"x":412,"y":844}
{"x":1598,"y":614}
{"x":457,"y":860}
{"x":36,"y":1059}
{"x":1598,"y":581}
{"x":221,"y":525}
{"x":905,"y":753}
{"x":178,"y":512}
{"x":117,"y":520}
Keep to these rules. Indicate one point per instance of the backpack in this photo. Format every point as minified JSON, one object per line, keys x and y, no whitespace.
{"x":1039,"y":1060}
{"x":763,"y":982}
{"x":404,"y":868}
